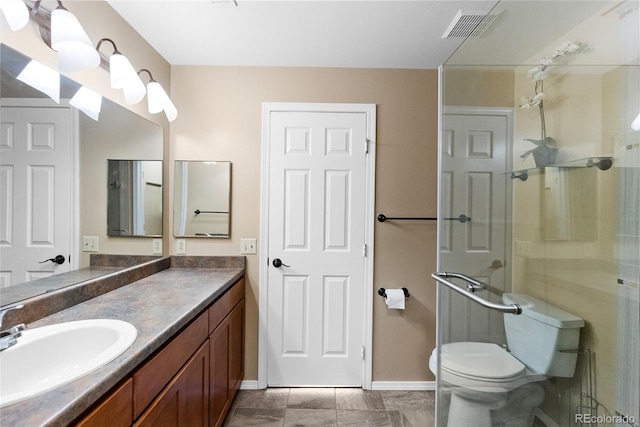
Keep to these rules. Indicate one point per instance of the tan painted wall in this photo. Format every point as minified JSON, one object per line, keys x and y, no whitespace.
{"x":220,"y":119}
{"x":469,"y":87}
{"x":100,"y":20}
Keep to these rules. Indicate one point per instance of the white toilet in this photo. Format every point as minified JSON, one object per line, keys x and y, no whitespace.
{"x":490,"y":386}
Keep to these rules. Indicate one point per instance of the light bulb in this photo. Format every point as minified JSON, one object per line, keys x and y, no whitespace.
{"x":159,"y":100}
{"x":42,"y":78}
{"x":87,"y":101}
{"x":16,"y":13}
{"x":68,"y":38}
{"x":124,"y":76}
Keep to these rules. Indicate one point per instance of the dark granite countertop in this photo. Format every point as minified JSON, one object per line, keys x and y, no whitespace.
{"x":158,"y":306}
{"x":13,"y":294}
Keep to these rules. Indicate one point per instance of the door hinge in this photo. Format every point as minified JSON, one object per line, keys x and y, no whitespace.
{"x":364,"y":250}
{"x":363,"y":352}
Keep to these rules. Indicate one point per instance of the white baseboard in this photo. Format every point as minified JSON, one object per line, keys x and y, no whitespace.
{"x":249,"y":385}
{"x":404,"y":385}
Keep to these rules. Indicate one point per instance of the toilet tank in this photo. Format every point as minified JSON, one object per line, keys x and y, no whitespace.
{"x":543,"y":337}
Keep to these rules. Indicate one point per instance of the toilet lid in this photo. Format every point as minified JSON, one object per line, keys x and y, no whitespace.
{"x":478,"y":359}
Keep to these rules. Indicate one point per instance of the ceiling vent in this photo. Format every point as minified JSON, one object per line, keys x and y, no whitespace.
{"x":469,"y":23}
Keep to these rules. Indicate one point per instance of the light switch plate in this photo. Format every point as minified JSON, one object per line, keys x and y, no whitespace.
{"x":248,"y":246}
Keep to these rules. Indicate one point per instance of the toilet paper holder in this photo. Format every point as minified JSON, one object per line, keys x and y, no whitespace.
{"x":383,"y":292}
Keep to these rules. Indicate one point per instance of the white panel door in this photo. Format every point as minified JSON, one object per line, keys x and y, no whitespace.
{"x":35,"y":192}
{"x":474,"y":162}
{"x":316,"y":228}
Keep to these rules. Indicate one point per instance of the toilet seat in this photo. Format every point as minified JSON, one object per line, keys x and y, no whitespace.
{"x":481,"y":361}
{"x":481,"y":367}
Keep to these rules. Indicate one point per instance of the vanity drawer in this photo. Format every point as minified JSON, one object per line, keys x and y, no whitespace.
{"x":222,"y":307}
{"x":154,"y":375}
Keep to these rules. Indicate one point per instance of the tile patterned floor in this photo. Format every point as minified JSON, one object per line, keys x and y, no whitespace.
{"x":284,"y":407}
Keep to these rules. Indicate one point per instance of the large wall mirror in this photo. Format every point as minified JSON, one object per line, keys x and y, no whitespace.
{"x":202,"y":199}
{"x":53,"y":183}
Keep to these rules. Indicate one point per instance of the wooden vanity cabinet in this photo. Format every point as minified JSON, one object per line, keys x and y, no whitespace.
{"x":192,"y":381}
{"x":227,"y":352}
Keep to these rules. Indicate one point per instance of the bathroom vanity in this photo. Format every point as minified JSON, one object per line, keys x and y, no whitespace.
{"x":185,"y":365}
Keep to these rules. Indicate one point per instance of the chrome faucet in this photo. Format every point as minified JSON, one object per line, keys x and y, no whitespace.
{"x":10,"y":336}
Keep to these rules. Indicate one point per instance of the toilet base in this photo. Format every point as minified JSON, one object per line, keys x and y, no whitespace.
{"x":510,"y":409}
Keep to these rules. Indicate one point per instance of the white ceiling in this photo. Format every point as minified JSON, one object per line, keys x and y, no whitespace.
{"x":369,"y":34}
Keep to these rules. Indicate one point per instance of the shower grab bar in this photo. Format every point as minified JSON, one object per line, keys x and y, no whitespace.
{"x":473,"y":284}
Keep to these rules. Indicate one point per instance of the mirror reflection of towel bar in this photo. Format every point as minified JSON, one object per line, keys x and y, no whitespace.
{"x":382,"y":218}
{"x":198,"y":212}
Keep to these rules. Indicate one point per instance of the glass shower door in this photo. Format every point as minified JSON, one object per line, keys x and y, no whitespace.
{"x":540,"y":157}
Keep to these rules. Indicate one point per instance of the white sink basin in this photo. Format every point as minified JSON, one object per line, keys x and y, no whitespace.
{"x":51,"y":356}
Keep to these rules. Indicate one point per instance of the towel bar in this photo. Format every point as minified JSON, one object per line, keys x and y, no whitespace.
{"x":382,"y":218}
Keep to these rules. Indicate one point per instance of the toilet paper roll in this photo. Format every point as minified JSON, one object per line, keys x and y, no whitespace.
{"x":395,"y":299}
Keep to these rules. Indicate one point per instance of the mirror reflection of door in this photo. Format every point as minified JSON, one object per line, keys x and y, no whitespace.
{"x":202,"y":199}
{"x":134,"y":189}
{"x":35,"y":191}
{"x":475,"y":145}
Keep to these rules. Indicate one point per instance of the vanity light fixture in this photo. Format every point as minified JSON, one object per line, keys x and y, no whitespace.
{"x":16,"y":13}
{"x":157,"y":98}
{"x":68,"y":38}
{"x":42,"y":78}
{"x":87,"y":101}
{"x":635,"y":124}
{"x":124,"y":76}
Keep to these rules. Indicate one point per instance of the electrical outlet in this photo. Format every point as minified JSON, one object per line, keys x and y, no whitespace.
{"x":523,"y":248}
{"x":157,"y":246}
{"x":248,"y":246}
{"x":181,"y":246}
{"x":89,"y":243}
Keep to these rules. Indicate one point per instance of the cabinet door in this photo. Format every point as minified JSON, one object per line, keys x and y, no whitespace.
{"x":219,"y":377}
{"x":116,"y":410}
{"x":236,"y":349}
{"x":150,"y":379}
{"x":227,"y":363}
{"x":185,"y":400}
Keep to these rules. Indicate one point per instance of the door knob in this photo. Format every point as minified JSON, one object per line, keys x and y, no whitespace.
{"x":277,"y":263}
{"x":59,"y":259}
{"x":496,"y":264}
